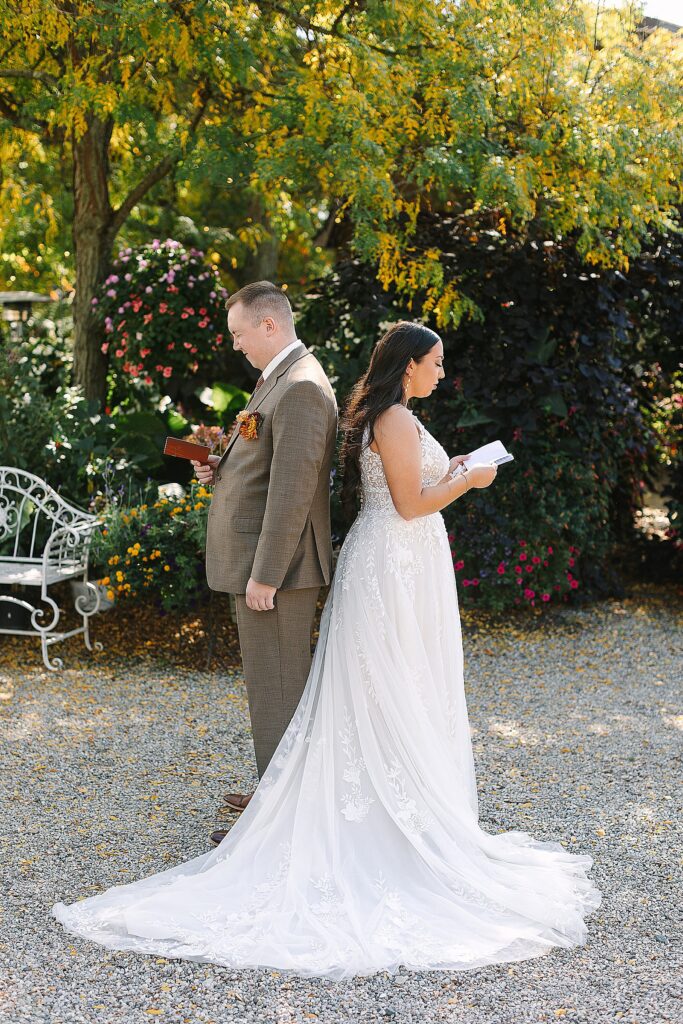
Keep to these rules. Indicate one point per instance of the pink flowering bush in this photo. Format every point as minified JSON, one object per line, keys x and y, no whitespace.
{"x":163,"y":310}
{"x":532,"y":573}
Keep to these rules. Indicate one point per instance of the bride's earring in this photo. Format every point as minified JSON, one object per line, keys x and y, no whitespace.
{"x":405,"y":387}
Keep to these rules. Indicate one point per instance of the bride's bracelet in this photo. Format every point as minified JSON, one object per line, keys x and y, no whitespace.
{"x":460,"y":472}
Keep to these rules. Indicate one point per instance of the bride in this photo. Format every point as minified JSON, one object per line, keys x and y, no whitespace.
{"x":360,"y":850}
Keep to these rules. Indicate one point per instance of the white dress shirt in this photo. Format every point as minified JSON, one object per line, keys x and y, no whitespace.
{"x":276,"y":360}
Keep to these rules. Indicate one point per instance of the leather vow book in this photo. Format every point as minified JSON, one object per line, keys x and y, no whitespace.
{"x":186,"y":450}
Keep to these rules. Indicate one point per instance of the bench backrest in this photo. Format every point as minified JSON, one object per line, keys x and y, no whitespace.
{"x":30,"y":513}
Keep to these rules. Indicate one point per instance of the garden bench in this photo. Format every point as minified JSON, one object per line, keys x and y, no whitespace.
{"x":44,"y":540}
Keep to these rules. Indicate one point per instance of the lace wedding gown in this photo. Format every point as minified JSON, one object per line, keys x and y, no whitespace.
{"x":361,"y":850}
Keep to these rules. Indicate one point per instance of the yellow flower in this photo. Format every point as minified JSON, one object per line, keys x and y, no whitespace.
{"x":167,"y":568}
{"x":119,"y":575}
{"x":105,"y":581}
{"x":133,"y":511}
{"x":142,"y":508}
{"x":110,"y":595}
{"x":199,"y":504}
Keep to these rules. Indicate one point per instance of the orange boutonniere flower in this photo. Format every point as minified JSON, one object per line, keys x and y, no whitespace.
{"x":248,"y":424}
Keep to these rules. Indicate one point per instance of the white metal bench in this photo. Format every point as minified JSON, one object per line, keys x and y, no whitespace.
{"x":44,"y":540}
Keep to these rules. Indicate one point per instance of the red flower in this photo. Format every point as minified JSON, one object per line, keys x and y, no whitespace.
{"x":573,"y":584}
{"x":459,"y":565}
{"x":545,"y":597}
{"x":475,"y":582}
{"x":529,"y":568}
{"x":571,"y":562}
{"x":535,"y":559}
{"x":522,"y":543}
{"x":529,"y":593}
{"x":522,"y":557}
{"x":518,"y":568}
{"x":501,"y":569}
{"x":550,"y":550}
{"x":465,"y":583}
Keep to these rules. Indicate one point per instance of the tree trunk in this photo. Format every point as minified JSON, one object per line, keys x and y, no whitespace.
{"x":93,"y":240}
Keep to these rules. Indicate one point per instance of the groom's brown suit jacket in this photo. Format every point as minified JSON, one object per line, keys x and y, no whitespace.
{"x":270,"y":513}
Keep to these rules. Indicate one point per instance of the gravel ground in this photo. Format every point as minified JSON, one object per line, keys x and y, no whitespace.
{"x":116,"y":771}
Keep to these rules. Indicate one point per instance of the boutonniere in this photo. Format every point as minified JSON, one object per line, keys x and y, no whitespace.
{"x":248,"y":424}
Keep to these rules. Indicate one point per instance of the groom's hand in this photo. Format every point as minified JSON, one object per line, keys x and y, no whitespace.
{"x":206,"y":473}
{"x":260,"y":596}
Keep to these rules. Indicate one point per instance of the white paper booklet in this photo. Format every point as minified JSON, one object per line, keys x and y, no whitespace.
{"x":493,"y":452}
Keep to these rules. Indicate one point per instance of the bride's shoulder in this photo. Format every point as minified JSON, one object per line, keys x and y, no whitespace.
{"x":396,"y":422}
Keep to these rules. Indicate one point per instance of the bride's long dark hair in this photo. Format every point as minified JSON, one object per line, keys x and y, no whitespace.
{"x":380,"y":387}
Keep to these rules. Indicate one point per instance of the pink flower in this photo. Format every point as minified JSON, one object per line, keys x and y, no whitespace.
{"x":501,"y":569}
{"x":145,"y":352}
{"x":522,"y":557}
{"x":571,"y":562}
{"x":184,"y":316}
{"x":105,"y":347}
{"x":203,"y":323}
{"x":522,"y":543}
{"x":459,"y":565}
{"x":535,"y":559}
{"x":550,"y":550}
{"x":147,"y":318}
{"x":170,"y":346}
{"x":573,"y":584}
{"x":545,"y":597}
{"x":529,"y":568}
{"x":475,"y":582}
{"x":119,"y":353}
{"x":202,"y":312}
{"x":162,"y":307}
{"x":168,"y":370}
{"x":529,"y":593}
{"x":465,"y":583}
{"x":518,"y":568}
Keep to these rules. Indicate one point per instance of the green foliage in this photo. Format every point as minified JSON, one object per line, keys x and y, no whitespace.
{"x":56,"y":434}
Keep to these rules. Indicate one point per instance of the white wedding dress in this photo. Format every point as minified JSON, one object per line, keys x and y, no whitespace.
{"x":361,"y":850}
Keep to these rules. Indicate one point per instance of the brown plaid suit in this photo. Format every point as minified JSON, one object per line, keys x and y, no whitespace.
{"x":270,"y":520}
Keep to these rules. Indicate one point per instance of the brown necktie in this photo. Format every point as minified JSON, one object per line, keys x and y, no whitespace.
{"x":259,"y":382}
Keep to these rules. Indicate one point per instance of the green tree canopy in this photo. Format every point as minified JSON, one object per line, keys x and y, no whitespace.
{"x":346,"y":118}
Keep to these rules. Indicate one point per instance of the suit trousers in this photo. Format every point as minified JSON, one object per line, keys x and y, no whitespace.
{"x":276,"y":656}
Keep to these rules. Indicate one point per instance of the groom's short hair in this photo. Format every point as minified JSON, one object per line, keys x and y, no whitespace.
{"x":261,"y":299}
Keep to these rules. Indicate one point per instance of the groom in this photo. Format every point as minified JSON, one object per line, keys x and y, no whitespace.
{"x":268,"y":538}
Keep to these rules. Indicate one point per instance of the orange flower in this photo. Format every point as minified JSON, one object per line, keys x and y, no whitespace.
{"x":249,"y":422}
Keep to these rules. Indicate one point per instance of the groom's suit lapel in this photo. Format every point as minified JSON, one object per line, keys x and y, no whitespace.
{"x":268,"y":385}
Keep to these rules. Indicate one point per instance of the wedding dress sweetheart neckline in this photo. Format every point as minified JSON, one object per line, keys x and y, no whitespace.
{"x":360,"y":850}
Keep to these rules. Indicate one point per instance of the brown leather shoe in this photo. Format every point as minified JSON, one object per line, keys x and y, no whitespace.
{"x":218,"y":836}
{"x":237,"y":801}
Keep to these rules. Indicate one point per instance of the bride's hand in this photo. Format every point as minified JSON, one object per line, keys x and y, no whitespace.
{"x":481,"y":475}
{"x":457,"y":460}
